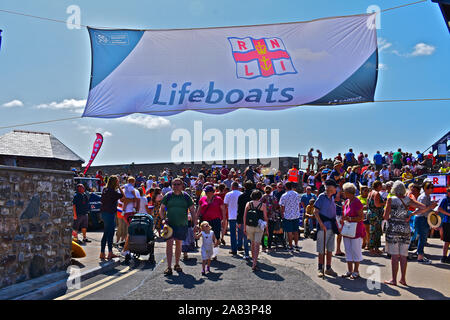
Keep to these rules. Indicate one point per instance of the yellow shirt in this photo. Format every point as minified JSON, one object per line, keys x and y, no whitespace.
{"x":407,"y":176}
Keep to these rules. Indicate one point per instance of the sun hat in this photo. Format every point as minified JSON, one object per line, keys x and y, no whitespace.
{"x":167,"y":232}
{"x":434,"y":220}
{"x":336,"y":163}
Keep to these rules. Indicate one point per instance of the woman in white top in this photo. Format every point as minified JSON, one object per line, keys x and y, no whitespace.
{"x":143,"y":203}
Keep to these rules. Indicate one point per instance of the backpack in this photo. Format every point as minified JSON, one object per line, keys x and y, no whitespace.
{"x":254,"y":214}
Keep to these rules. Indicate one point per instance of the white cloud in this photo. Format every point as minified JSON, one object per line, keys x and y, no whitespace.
{"x":70,"y":104}
{"x":149,"y":122}
{"x":92,"y":130}
{"x":104,"y":133}
{"x":13,"y":104}
{"x":423,"y":49}
{"x":383,"y":44}
{"x":420,"y":49}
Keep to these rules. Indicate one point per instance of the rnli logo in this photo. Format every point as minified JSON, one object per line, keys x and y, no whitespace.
{"x":263,"y":57}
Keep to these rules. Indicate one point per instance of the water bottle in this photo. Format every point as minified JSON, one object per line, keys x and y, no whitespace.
{"x":266,"y":240}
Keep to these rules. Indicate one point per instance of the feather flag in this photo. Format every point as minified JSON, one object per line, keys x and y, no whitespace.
{"x":97,"y":145}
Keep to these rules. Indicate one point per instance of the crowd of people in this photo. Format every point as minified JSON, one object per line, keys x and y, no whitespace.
{"x":350,"y":199}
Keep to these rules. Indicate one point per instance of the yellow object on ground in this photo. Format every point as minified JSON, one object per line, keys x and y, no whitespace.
{"x":77,"y":251}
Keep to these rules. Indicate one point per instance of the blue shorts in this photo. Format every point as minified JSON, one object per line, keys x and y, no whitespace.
{"x":179,"y":232}
{"x":290,"y":225}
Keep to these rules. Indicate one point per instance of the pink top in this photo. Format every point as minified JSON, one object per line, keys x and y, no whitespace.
{"x":211,"y":211}
{"x":351,"y":210}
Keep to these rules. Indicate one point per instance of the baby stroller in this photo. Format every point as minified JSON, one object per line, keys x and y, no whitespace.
{"x":141,"y":239}
{"x":278,"y":234}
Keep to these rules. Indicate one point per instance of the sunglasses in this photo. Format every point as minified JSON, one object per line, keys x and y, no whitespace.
{"x":176,"y":184}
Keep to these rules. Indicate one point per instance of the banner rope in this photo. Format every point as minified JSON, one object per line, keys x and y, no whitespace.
{"x":85,"y":26}
{"x":222,"y":108}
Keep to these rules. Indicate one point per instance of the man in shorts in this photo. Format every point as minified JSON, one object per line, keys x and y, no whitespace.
{"x":81,"y":209}
{"x":177,"y":203}
{"x":290,"y":211}
{"x":325,"y":214}
{"x":444,"y":210}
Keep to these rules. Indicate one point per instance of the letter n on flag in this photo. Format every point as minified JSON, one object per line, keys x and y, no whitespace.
{"x":95,"y":149}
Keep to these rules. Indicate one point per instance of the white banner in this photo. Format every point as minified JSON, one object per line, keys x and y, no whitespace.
{"x":217,"y":70}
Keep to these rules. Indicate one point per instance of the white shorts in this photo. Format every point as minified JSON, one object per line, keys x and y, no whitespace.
{"x":329,"y":245}
{"x":397,"y":249}
{"x":353,"y":251}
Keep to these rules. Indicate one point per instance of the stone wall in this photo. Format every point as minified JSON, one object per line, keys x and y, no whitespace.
{"x":35,"y":222}
{"x":285,"y":163}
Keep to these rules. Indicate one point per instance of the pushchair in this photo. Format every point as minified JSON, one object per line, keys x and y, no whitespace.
{"x":141,"y":239}
{"x":278,"y":234}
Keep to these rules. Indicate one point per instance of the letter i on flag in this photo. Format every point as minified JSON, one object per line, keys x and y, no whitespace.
{"x":97,"y":145}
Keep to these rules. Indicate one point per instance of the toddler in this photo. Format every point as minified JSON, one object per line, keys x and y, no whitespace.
{"x":207,"y":244}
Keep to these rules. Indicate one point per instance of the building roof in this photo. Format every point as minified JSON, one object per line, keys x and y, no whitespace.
{"x":35,"y":144}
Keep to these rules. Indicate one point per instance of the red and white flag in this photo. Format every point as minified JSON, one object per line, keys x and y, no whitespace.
{"x":96,"y":148}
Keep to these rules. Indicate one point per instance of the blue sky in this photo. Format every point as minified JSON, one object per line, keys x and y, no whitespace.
{"x":45,"y":71}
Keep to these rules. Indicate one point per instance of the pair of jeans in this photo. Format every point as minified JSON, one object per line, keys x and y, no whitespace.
{"x":422,"y":233}
{"x":242,"y":238}
{"x":108,"y":232}
{"x":233,"y":237}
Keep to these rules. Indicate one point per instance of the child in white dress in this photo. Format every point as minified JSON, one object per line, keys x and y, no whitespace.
{"x":208,"y":240}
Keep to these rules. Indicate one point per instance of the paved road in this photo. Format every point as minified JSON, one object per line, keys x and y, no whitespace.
{"x":283,"y":276}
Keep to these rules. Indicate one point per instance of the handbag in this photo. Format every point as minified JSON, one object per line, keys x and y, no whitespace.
{"x":349,"y":229}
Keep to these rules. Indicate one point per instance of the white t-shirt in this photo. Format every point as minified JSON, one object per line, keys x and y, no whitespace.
{"x":143,"y":203}
{"x":291,"y":203}
{"x":385,"y":174}
{"x":130,"y":205}
{"x":231,"y":200}
{"x":370,"y":178}
{"x":149,"y":184}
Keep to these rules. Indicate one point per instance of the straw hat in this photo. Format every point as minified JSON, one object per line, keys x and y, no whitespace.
{"x":434,"y":220}
{"x":167,"y":232}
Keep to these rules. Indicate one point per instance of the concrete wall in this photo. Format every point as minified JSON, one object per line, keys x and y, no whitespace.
{"x":35,"y":222}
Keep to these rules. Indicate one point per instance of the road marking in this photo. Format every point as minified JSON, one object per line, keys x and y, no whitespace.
{"x":71,"y":294}
{"x":107,"y":284}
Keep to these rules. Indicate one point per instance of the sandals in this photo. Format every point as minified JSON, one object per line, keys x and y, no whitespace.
{"x":168,"y":272}
{"x":112,"y":256}
{"x":390,"y":282}
{"x":347,"y":275}
{"x":177,"y":268}
{"x":355,"y":275}
{"x":102,"y":256}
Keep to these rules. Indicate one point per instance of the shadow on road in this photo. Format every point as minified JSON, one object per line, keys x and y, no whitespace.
{"x":360,"y":285}
{"x":186,"y":280}
{"x":426,"y":293}
{"x":220,"y":265}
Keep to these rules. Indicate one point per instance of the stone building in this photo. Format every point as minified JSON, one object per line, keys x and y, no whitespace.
{"x":36,"y":192}
{"x":36,"y":150}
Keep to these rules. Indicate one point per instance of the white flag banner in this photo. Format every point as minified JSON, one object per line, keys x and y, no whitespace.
{"x":218,"y":70}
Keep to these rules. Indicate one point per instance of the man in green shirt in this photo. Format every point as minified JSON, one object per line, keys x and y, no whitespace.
{"x":177,"y":203}
{"x":397,"y":159}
